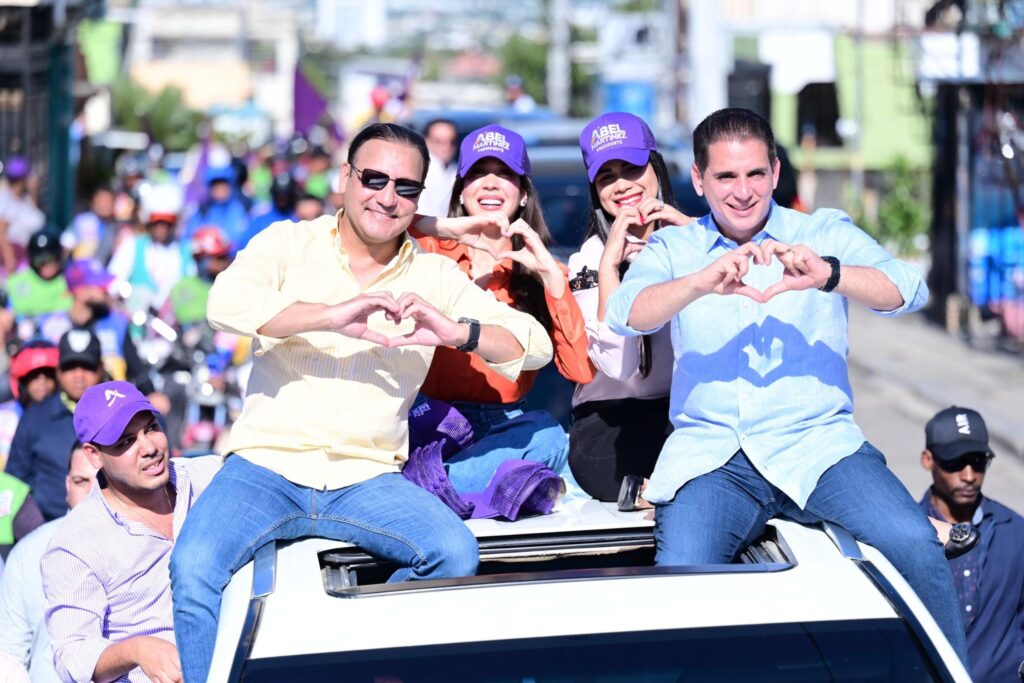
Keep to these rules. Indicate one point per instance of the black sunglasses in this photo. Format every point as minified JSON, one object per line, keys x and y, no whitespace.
{"x":377,"y":181}
{"x":979,"y":462}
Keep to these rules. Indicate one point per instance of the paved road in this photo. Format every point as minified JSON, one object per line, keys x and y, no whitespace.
{"x":904,"y":370}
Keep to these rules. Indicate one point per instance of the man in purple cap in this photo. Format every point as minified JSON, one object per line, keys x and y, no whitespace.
{"x":760,"y":403}
{"x":105,"y":574}
{"x":19,"y":215}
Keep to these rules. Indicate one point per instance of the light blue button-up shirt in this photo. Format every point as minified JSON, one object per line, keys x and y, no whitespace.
{"x":770,"y":379}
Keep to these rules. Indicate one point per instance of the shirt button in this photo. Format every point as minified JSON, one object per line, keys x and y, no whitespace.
{"x":967,"y":572}
{"x":968,"y":608}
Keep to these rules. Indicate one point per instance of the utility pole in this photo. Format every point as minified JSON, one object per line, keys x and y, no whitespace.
{"x":668,"y":100}
{"x":559,"y":67}
{"x":709,"y":60}
{"x":857,"y":158}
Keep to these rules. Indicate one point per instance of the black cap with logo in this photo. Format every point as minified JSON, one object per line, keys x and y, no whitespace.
{"x":956,"y":431}
{"x":79,"y":347}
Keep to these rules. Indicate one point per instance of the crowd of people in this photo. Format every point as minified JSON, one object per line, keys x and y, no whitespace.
{"x":388,"y":347}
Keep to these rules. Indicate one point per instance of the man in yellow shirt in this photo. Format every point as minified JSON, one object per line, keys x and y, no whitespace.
{"x":345,"y":312}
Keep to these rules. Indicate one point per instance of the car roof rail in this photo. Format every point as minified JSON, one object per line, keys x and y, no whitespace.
{"x":850,"y":549}
{"x":264,"y":578}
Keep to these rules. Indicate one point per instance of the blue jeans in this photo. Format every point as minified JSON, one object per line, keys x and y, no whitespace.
{"x":502,"y":431}
{"x":246,"y":506}
{"x":717,"y":515}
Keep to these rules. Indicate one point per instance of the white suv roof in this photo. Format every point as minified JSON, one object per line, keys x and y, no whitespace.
{"x":295,"y":599}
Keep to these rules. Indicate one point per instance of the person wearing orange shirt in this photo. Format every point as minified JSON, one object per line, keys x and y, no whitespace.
{"x":510,"y":259}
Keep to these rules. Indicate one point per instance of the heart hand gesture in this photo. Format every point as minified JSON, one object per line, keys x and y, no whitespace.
{"x":802,"y":268}
{"x":432,"y":328}
{"x":350,"y":317}
{"x":725,"y":275}
{"x":483,"y":232}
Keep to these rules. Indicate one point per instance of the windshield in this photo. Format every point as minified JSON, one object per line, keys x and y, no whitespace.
{"x":869,"y":650}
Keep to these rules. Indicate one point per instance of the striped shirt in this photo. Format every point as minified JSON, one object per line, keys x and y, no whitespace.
{"x":105,"y":576}
{"x":321,"y":409}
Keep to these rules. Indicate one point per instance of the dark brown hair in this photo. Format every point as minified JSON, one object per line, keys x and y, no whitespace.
{"x":730,"y":124}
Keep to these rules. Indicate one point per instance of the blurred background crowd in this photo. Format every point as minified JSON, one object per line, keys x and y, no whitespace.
{"x":144,"y":142}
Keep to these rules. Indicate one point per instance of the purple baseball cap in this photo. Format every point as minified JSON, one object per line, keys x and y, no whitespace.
{"x":425,"y":468}
{"x":519,"y":488}
{"x":104,"y":411}
{"x":435,"y":420}
{"x":494,"y":141}
{"x":17,"y":167}
{"x":84,"y":272}
{"x":617,"y":135}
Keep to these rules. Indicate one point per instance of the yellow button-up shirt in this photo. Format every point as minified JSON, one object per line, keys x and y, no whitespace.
{"x":325,"y":410}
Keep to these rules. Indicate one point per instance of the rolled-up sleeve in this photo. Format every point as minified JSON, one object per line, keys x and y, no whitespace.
{"x":651,"y":267}
{"x":248,"y":294}
{"x":854,"y":247}
{"x":466,"y":300}
{"x":75,"y":609}
{"x":570,"y":335}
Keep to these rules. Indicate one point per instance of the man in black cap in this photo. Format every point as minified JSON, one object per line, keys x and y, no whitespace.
{"x":990,"y":579}
{"x":39,"y":450}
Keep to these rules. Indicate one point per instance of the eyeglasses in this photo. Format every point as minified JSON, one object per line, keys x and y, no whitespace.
{"x":979,"y":462}
{"x":377,"y":181}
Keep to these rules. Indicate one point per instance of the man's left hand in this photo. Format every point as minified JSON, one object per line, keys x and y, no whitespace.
{"x":802,"y":268}
{"x":432,"y":327}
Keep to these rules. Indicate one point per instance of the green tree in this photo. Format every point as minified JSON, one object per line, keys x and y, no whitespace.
{"x":528,"y":59}
{"x":903,"y":213}
{"x":162,"y":115}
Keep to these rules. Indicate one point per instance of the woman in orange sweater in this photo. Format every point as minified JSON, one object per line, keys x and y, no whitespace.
{"x":512,"y":261}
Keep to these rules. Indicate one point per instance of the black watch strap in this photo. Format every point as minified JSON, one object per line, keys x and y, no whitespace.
{"x":474,"y":335}
{"x":833,"y":279}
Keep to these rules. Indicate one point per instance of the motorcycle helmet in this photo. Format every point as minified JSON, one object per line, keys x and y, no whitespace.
{"x":160,"y":202}
{"x":210,"y":241}
{"x":43,"y":247}
{"x":33,"y":356}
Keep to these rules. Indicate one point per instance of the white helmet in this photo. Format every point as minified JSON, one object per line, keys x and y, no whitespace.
{"x":160,"y":202}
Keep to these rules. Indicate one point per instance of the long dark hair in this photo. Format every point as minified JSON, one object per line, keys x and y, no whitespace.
{"x":600,"y":222}
{"x":526,"y":290}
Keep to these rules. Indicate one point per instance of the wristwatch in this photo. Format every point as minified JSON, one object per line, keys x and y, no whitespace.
{"x":474,"y":335}
{"x":833,"y":279}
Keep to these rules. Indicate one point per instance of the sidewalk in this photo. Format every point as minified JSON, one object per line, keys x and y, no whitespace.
{"x":940,"y":370}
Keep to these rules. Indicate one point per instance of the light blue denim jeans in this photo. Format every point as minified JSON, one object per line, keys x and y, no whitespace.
{"x":502,"y":431}
{"x":246,"y":506}
{"x":715,"y":516}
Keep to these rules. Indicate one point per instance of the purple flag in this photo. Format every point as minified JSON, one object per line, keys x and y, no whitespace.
{"x":195,"y":191}
{"x":309,"y":104}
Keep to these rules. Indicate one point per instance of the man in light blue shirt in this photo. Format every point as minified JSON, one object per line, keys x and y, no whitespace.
{"x":23,"y":632}
{"x":761,"y":404}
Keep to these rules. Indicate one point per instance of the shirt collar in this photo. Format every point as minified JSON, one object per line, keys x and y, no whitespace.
{"x":777,"y":228}
{"x":979,"y":512}
{"x":407,"y":248}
